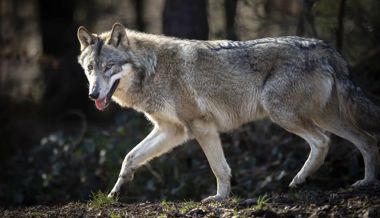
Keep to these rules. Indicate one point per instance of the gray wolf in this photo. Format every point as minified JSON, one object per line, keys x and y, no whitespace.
{"x":193,"y":89}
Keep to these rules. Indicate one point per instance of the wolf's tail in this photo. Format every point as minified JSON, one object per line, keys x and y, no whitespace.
{"x":354,"y":104}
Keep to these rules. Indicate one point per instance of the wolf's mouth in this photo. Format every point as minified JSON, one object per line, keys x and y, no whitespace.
{"x":103,"y":103}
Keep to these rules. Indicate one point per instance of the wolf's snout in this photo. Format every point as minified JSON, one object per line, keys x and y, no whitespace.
{"x":93,"y":95}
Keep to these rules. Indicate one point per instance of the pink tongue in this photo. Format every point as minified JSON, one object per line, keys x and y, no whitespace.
{"x":101,"y":103}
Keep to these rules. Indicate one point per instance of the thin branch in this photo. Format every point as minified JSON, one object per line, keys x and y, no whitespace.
{"x":154,"y":173}
{"x":83,"y":129}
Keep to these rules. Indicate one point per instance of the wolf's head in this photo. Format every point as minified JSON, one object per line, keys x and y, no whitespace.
{"x":105,"y":58}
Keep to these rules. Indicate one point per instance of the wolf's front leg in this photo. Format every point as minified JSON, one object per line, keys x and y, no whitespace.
{"x":162,"y":139}
{"x":207,"y":136}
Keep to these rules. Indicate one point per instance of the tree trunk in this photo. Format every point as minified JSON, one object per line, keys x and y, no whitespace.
{"x":340,"y":29}
{"x":186,"y":19}
{"x":21,"y":50}
{"x":139,"y":7}
{"x":230,"y":13}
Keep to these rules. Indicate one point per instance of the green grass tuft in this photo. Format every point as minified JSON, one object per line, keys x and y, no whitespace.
{"x":100,"y":199}
{"x":167,"y":206}
{"x":115,"y":215}
{"x":186,"y":206}
{"x":261,"y":202}
{"x":235,"y":199}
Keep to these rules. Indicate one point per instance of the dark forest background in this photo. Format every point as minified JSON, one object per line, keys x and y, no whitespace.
{"x":55,"y":146}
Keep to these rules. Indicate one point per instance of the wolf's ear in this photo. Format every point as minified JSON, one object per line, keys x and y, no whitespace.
{"x":118,"y":35}
{"x":85,"y":37}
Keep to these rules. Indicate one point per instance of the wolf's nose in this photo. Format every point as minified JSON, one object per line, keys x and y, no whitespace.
{"x":93,"y":95}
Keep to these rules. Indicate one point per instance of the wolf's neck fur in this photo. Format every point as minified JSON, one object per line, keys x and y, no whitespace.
{"x":139,"y":90}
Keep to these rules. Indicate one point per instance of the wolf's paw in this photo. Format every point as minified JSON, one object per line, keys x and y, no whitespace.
{"x":296,"y":182}
{"x":364,"y":183}
{"x":113,"y":194}
{"x":214,"y":198}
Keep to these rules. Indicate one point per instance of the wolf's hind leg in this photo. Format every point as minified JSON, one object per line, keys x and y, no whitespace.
{"x":207,"y":136}
{"x":161,"y":140}
{"x":366,"y":144}
{"x":314,"y":136}
{"x":319,"y":146}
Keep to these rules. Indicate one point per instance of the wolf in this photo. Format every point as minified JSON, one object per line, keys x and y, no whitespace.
{"x":192,"y":89}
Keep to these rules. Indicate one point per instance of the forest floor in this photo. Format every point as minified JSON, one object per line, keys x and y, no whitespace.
{"x":295,"y":203}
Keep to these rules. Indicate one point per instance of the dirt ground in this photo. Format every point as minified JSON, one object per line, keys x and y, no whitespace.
{"x":294,"y":203}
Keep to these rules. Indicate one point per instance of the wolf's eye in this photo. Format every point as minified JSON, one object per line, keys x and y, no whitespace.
{"x":108,"y":67}
{"x":90,"y":67}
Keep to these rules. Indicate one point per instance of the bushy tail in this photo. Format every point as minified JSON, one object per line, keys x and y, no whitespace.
{"x":354,"y":104}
